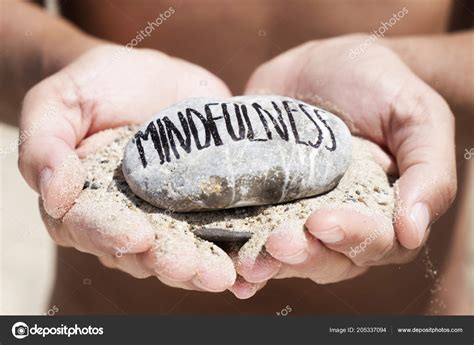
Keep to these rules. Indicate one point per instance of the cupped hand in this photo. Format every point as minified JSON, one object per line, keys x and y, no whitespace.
{"x":108,"y":87}
{"x":380,"y":99}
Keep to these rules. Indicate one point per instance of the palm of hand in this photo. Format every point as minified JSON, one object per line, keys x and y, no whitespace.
{"x":107,"y":88}
{"x":382,"y":100}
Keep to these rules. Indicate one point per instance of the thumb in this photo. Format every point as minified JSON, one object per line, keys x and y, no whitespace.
{"x":50,"y":128}
{"x":421,"y":134}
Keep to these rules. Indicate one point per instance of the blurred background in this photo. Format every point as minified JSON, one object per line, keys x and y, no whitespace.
{"x":29,"y":264}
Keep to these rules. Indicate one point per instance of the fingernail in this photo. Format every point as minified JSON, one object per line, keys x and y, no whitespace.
{"x":333,"y":235}
{"x":45,"y":179}
{"x":421,"y":217}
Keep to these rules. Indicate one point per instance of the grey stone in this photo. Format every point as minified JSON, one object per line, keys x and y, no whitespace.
{"x":222,"y":235}
{"x":207,"y":154}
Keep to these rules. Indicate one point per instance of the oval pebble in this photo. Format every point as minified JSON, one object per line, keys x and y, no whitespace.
{"x":209,"y":154}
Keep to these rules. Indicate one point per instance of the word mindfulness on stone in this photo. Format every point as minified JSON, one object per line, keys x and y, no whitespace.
{"x":207,"y":154}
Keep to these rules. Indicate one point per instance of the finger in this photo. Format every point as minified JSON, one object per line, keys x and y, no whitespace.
{"x":132,"y":264}
{"x":177,"y":256}
{"x":323,"y":265}
{"x":422,"y":137}
{"x":258,"y":270}
{"x":198,"y":83}
{"x":55,"y":227}
{"x":99,"y":226}
{"x":187,"y":284}
{"x":216,"y":271}
{"x":137,"y":265}
{"x":306,"y":257}
{"x":264,"y":80}
{"x":365,"y":239}
{"x":243,"y":289}
{"x":288,"y":244}
{"x":174,"y":255}
{"x":51,"y":125}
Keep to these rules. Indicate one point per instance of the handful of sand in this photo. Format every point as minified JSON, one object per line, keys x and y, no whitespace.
{"x":365,"y":187}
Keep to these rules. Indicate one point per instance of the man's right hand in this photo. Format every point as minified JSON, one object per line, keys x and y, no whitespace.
{"x":108,"y":87}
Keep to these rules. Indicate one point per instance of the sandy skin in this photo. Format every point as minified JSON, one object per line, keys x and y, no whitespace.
{"x":108,"y":218}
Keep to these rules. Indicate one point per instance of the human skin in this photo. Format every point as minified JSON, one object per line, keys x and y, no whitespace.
{"x":69,"y":59}
{"x":404,"y":116}
{"x":414,"y":118}
{"x":85,"y":97}
{"x":88,"y":96}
